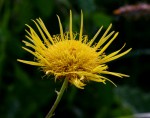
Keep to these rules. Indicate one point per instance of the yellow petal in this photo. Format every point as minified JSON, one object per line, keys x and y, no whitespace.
{"x":103,"y":37}
{"x":42,"y":34}
{"x":95,"y":36}
{"x":45,"y":30}
{"x":106,"y":46}
{"x":77,"y":83}
{"x":117,"y":56}
{"x":30,"y":62}
{"x":71,"y":35}
{"x":115,"y":74}
{"x":61,"y":29}
{"x":104,"y":60}
{"x":81,"y":27}
{"x":37,"y":41}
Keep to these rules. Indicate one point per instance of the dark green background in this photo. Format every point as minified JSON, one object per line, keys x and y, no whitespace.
{"x":26,"y":93}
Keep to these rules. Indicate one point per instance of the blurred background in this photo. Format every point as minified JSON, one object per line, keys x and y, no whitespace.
{"x":26,"y":93}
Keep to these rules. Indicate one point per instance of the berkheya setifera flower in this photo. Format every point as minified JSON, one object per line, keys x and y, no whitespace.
{"x":71,"y":56}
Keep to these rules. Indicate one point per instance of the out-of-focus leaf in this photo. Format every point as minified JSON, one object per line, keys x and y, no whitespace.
{"x":3,"y":41}
{"x":22,"y":76}
{"x":137,"y":100}
{"x":84,"y":5}
{"x":100,"y":19}
{"x":45,"y":7}
{"x":22,"y":12}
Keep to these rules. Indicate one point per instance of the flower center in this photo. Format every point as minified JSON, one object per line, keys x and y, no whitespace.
{"x":71,"y":55}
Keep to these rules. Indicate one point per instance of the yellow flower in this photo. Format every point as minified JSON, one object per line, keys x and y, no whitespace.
{"x":72,"y":55}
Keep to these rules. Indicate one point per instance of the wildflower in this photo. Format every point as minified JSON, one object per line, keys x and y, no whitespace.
{"x":72,"y":55}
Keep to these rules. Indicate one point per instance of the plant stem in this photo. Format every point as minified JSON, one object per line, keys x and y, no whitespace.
{"x":59,"y":96}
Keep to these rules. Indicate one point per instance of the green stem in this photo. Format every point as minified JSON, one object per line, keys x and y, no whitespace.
{"x":59,"y":96}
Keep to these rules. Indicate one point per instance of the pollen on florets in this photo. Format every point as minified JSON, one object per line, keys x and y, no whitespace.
{"x":72,"y":55}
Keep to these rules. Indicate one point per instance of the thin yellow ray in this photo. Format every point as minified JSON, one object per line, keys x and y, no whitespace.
{"x":81,"y":27}
{"x":29,"y":44}
{"x":107,"y":80}
{"x":106,"y":46}
{"x":102,"y":41}
{"x":29,"y":35}
{"x":28,"y":50}
{"x":96,"y":79}
{"x":42,"y":34}
{"x":30,"y":62}
{"x":30,"y":39}
{"x":35,"y":47}
{"x":35,"y":37}
{"x":112,"y":54}
{"x":61,"y":29}
{"x":117,"y":56}
{"x":36,"y":54}
{"x":100,"y":68}
{"x":43,"y":59}
{"x":115,"y":74}
{"x":105,"y":39}
{"x":95,"y":36}
{"x":45,"y":30}
{"x":102,"y":38}
{"x":94,"y":76}
{"x":71,"y":35}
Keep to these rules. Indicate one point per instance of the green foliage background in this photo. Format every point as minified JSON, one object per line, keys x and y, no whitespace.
{"x":26,"y":93}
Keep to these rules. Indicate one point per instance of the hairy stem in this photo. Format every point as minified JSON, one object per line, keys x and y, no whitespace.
{"x":59,"y":96}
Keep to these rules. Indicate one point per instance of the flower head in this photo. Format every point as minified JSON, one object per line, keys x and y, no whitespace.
{"x":72,"y":55}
